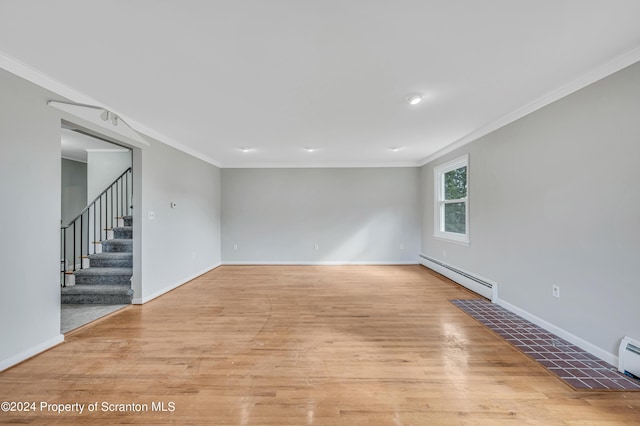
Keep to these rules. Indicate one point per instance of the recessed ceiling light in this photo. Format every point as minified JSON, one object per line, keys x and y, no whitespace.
{"x":310,"y":149}
{"x":415,"y":99}
{"x":394,"y":149}
{"x":245,"y":149}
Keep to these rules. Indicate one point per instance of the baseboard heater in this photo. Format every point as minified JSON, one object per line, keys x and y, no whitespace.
{"x":474,"y":283}
{"x":629,"y":357}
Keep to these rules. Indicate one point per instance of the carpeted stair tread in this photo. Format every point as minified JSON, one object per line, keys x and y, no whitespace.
{"x":105,"y":271}
{"x":97,"y":294}
{"x":104,"y":276}
{"x":108,"y":279}
{"x":111,"y":260}
{"x":123,"y":232}
{"x":125,"y":241}
{"x":117,"y":245}
{"x":112,"y":255}
{"x":97,"y":289}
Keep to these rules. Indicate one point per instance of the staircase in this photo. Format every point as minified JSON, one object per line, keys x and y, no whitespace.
{"x":96,"y":249}
{"x":107,"y":280}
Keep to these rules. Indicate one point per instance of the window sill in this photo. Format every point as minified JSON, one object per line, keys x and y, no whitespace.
{"x":460,"y":241}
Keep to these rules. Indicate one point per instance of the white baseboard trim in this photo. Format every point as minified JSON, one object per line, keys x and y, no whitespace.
{"x":143,"y":300}
{"x":571,"y":338}
{"x":492,"y":294}
{"x":469,"y":280}
{"x":319,"y":263}
{"x":35,"y":350}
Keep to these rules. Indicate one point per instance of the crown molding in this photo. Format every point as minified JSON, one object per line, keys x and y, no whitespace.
{"x":108,"y":150}
{"x":598,"y":73}
{"x":34,"y":76}
{"x":47,"y":82}
{"x":318,"y":165}
{"x":77,"y":160}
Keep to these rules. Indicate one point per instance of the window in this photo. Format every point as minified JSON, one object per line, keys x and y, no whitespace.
{"x":452,"y":200}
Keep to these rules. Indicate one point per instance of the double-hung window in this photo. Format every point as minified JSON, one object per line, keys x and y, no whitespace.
{"x":452,"y":200}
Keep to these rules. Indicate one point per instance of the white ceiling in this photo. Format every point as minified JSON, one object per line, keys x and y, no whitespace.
{"x":75,"y":146}
{"x":281,"y":75}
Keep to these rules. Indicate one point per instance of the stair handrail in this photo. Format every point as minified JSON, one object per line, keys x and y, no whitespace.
{"x":124,"y":192}
{"x":96,"y":199}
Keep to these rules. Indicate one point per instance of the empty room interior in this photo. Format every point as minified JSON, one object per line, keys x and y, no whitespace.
{"x":330,"y":213}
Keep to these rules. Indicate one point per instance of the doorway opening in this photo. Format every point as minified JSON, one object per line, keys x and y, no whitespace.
{"x":96,"y":237}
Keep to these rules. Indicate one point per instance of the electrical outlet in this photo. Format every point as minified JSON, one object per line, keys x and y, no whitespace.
{"x":152,"y":215}
{"x":235,"y":247}
{"x":556,"y":291}
{"x":316,"y":246}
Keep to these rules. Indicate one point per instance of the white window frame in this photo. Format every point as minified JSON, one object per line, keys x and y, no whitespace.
{"x":439,"y":201}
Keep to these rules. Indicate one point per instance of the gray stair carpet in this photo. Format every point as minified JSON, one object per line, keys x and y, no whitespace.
{"x":97,"y":294}
{"x":123,"y":232}
{"x":117,"y":245}
{"x":111,"y":260}
{"x":107,"y":280}
{"x":106,"y":276}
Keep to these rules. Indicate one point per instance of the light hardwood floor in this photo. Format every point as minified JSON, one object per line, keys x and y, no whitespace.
{"x":302,"y":345}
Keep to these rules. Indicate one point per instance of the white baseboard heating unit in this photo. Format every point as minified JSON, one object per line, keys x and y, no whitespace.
{"x":479,"y":285}
{"x":629,"y":357}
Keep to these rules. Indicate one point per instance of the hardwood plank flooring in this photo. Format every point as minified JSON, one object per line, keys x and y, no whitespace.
{"x":302,"y":345}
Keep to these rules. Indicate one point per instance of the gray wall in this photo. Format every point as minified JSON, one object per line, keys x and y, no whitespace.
{"x":178,"y":245}
{"x":103,"y":168}
{"x":354,"y":215}
{"x":554,"y":200}
{"x":29,"y":241}
{"x":181,"y":242}
{"x":74,"y":189}
{"x":74,"y":200}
